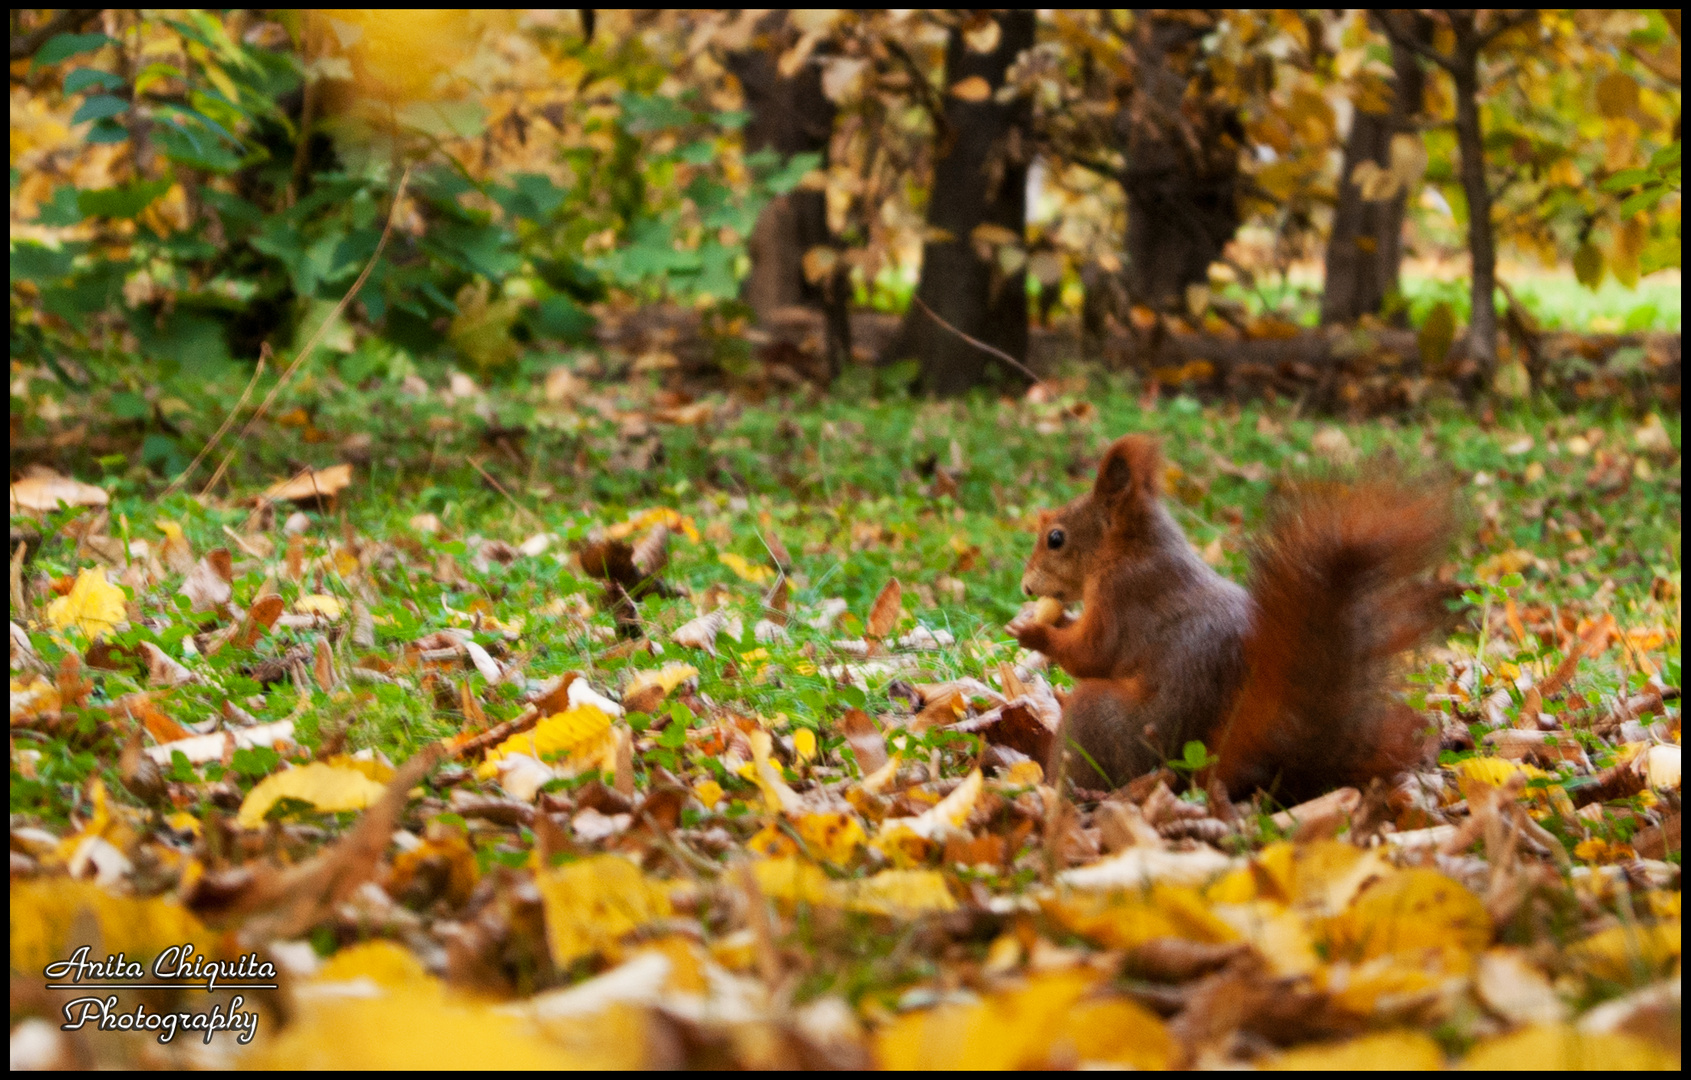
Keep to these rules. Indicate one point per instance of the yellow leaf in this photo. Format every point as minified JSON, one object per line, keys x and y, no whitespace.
{"x":1477,"y":772}
{"x":745,"y":568}
{"x":591,"y":904}
{"x":428,"y":1031}
{"x":709,"y":792}
{"x":666,"y":678}
{"x":771,"y":842}
{"x":776,"y":794}
{"x":578,"y":738}
{"x":1126,"y":920}
{"x":1278,"y":935}
{"x":94,"y":606}
{"x":1387,"y":1051}
{"x":804,"y":742}
{"x":833,"y":837}
{"x":32,"y":697}
{"x":317,"y":604}
{"x":901,"y":893}
{"x":386,"y":963}
{"x":1046,"y":1023}
{"x":1561,"y":1047}
{"x":329,"y":788}
{"x":973,"y":89}
{"x":44,"y":914}
{"x":1630,"y":954}
{"x":1412,"y":911}
{"x":944,"y":816}
{"x":639,"y":523}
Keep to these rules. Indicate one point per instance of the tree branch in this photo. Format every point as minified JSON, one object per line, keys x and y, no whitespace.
{"x":1383,"y":20}
{"x":1519,"y":18}
{"x":67,"y":21}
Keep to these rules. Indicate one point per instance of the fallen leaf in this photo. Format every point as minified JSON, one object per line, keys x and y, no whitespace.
{"x":42,"y":493}
{"x":1560,"y":1047}
{"x":93,"y":606}
{"x":885,"y":612}
{"x":592,"y":904}
{"x":746,"y":569}
{"x":329,"y":788}
{"x":312,"y":484}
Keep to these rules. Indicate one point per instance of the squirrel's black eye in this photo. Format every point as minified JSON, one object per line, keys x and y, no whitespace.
{"x":1054,"y":539}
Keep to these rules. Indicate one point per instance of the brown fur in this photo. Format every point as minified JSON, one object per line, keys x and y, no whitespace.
{"x":1289,"y":683}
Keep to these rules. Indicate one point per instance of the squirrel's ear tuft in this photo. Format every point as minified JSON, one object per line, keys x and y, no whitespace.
{"x":1131,"y":464}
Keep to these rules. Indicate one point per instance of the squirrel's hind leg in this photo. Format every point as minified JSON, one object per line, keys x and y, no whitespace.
{"x":1106,"y":723}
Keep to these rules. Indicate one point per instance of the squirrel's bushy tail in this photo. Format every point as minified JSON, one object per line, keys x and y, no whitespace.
{"x":1338,"y":594}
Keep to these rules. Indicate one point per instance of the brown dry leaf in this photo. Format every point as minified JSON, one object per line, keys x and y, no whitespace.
{"x":864,"y":739}
{"x":312,"y":484}
{"x":161,"y":669}
{"x":261,"y":616}
{"x":651,"y":554}
{"x":323,"y":664}
{"x":284,"y":903}
{"x":209,"y":583}
{"x":175,"y":552}
{"x":43,"y":492}
{"x":885,"y":612}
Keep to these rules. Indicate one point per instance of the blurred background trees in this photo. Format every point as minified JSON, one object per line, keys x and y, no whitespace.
{"x":188,"y":185}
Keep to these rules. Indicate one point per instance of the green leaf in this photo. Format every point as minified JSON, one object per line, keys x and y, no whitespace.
{"x":121,"y":202}
{"x":1642,"y":201}
{"x":107,"y":131}
{"x":64,"y":46}
{"x":254,"y":762}
{"x":82,"y":78}
{"x":562,"y":318}
{"x":100,"y":107}
{"x":1627,"y":178}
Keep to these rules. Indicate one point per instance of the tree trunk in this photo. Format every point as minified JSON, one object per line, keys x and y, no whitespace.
{"x":1182,"y":168}
{"x":790,"y":115}
{"x":980,"y":179}
{"x":1470,"y":146}
{"x":1365,"y":250}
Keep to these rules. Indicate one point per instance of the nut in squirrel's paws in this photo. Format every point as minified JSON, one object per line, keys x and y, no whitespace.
{"x":1031,"y":624}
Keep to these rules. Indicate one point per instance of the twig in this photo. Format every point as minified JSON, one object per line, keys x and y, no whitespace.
{"x":340,"y":308}
{"x":67,"y":21}
{"x":499,"y":733}
{"x":497,"y":486}
{"x":257,"y":373}
{"x":976,"y":342}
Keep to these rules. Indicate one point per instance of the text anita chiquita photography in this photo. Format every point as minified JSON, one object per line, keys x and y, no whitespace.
{"x":180,"y":967}
{"x":890,"y":538}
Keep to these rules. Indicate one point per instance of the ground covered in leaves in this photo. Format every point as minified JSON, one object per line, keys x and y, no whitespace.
{"x":643,"y":731}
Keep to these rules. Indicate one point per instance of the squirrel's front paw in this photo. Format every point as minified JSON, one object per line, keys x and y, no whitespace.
{"x":1030,"y":634}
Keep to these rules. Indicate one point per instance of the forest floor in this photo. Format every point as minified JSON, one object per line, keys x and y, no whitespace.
{"x":387,"y":726}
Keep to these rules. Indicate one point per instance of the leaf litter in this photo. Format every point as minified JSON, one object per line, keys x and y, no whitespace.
{"x":729,"y":806}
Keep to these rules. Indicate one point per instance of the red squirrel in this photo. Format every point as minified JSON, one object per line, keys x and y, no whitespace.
{"x":1290,"y":683}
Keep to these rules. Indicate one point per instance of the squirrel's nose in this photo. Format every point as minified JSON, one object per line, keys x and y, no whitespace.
{"x":1027,"y":590}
